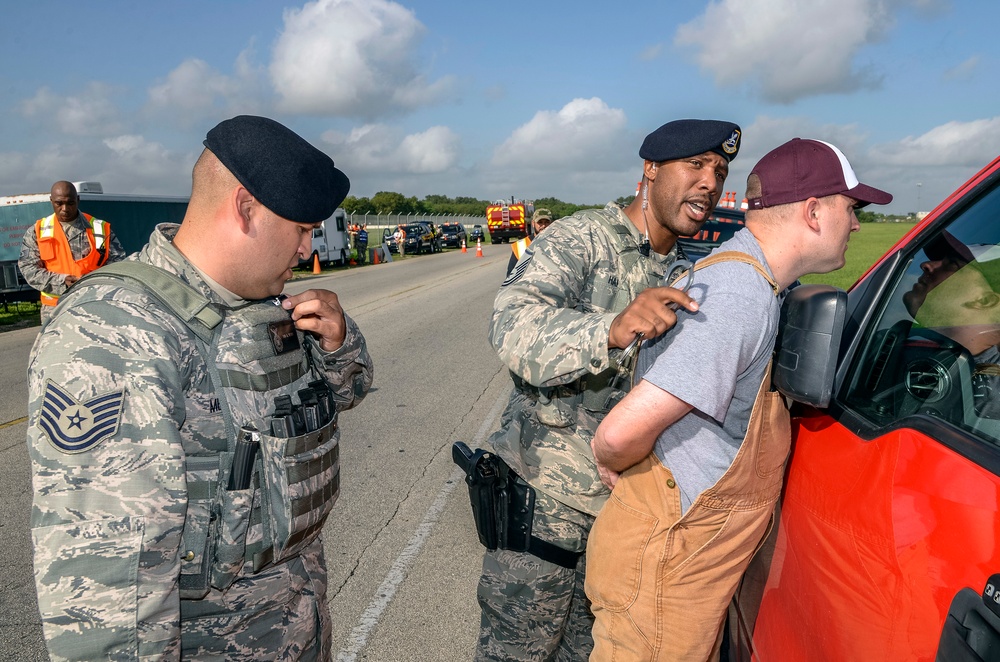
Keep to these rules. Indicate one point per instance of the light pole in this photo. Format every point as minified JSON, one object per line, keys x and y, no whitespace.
{"x":918,"y":196}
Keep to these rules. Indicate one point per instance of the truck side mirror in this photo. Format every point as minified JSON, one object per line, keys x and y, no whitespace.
{"x":812,"y":322}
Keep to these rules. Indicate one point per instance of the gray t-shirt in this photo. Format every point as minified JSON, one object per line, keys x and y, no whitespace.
{"x":714,"y":360}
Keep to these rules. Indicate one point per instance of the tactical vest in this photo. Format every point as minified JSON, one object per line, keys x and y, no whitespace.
{"x":254,"y":355}
{"x":55,"y":253}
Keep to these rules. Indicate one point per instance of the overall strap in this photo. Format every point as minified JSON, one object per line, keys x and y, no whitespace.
{"x":734,"y":256}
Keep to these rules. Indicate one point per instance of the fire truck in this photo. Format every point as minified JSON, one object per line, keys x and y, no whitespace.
{"x":508,"y":220}
{"x":886,"y":545}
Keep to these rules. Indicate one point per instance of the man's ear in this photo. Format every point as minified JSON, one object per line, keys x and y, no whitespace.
{"x":812,"y":209}
{"x":242,"y":202}
{"x":649,"y":169}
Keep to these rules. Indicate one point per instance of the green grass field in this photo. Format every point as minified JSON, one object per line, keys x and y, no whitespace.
{"x":864,"y":249}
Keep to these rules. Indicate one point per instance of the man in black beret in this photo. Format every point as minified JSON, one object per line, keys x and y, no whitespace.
{"x":184,"y":431}
{"x":563,"y":321}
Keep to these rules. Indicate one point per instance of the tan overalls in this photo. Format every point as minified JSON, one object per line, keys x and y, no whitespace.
{"x":660,"y":584}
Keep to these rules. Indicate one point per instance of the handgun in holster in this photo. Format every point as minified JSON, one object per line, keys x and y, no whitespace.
{"x":503,"y":504}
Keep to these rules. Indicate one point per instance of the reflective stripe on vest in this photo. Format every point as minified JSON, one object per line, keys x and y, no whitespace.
{"x":520,"y":246}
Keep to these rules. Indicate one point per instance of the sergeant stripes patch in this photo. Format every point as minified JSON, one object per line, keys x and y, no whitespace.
{"x":75,"y":427}
{"x":519,"y":269}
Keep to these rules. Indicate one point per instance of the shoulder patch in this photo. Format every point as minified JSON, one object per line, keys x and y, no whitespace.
{"x":74,"y":427}
{"x":519,"y":269}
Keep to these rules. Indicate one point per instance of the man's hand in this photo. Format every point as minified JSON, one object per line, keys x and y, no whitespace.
{"x":648,"y":314}
{"x":318,"y":312}
{"x":70,"y":279}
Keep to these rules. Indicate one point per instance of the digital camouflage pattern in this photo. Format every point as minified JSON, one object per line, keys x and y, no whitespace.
{"x":544,"y":613}
{"x":550,"y":327}
{"x":111,"y":521}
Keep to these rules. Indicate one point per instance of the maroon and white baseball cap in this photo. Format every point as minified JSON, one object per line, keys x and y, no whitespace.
{"x":802,"y":169}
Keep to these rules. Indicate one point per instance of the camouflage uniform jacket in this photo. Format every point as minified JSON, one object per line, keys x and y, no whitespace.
{"x":550,"y":327}
{"x":108,"y":521}
{"x":33,"y":268}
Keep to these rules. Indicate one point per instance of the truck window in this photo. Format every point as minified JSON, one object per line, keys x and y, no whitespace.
{"x":340,"y":223}
{"x":317,"y":233}
{"x":934,"y":349}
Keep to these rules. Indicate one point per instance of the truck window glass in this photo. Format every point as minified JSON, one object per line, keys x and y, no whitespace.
{"x":934,"y":349}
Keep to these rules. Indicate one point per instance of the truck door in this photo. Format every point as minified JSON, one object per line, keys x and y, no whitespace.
{"x":892,"y":501}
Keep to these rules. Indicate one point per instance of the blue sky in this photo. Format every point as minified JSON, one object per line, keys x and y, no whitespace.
{"x":491,"y":100}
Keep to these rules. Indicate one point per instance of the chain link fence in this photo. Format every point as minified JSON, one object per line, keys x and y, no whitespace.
{"x":378,"y":222}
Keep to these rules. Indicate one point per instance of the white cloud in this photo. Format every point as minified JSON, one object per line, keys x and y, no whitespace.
{"x":194,"y":90}
{"x":969,"y":144}
{"x":138,"y":165}
{"x":964,"y":70}
{"x":585,"y":134}
{"x":91,"y":113}
{"x":352,"y":58}
{"x":379,"y":148}
{"x":787,"y":49}
{"x":650,"y":52}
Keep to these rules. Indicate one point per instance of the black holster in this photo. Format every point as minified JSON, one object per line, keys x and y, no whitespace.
{"x":503,"y":504}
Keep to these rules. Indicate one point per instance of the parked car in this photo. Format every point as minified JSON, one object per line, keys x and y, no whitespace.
{"x":453,"y":234}
{"x":477,"y":233}
{"x":720,"y":227}
{"x":419,"y":239}
{"x":887,"y":539}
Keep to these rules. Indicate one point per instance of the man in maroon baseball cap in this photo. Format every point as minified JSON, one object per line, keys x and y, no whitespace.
{"x":697,"y":448}
{"x":802,"y":169}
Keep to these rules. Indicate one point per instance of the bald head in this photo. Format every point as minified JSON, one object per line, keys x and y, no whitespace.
{"x":63,"y":189}
{"x":65,"y":201}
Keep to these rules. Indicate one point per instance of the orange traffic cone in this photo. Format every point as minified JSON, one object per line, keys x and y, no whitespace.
{"x":464,"y":250}
{"x":316,"y":263}
{"x":479,"y":248}
{"x":745,"y":204}
{"x":375,"y":256}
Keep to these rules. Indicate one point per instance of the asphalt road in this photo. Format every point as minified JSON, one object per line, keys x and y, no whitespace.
{"x":402,"y":552}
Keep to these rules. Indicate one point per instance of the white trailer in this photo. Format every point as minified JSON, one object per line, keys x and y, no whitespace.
{"x":331,"y":243}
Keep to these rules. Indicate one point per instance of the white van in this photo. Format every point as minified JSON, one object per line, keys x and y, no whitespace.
{"x":331,"y":243}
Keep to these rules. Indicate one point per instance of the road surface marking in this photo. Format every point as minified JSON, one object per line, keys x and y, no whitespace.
{"x":358,"y":638}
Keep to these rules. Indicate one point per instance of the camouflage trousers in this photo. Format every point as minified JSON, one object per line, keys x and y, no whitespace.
{"x":533,"y":610}
{"x":280,"y":613}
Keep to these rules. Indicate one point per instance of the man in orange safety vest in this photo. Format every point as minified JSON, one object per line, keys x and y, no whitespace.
{"x":58,"y":249}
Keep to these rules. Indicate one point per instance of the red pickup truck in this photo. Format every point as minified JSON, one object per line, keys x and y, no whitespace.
{"x":887,"y":538}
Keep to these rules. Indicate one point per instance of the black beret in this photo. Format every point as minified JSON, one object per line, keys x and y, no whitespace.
{"x":683,"y":138}
{"x":284,"y":172}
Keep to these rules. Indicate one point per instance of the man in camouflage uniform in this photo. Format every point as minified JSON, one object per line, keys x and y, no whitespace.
{"x":145,"y":545}
{"x":78,"y":231}
{"x":584,"y":290}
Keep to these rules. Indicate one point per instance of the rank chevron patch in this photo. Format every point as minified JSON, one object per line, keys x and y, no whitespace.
{"x":75,"y":427}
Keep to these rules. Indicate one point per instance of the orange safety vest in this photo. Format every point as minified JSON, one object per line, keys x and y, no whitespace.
{"x":520,"y":246}
{"x":53,"y":248}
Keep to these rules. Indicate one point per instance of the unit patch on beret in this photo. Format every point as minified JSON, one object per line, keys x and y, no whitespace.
{"x":732,"y":145}
{"x":75,"y":427}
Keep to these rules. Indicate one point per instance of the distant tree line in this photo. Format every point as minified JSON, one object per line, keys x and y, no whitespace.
{"x":390,"y":202}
